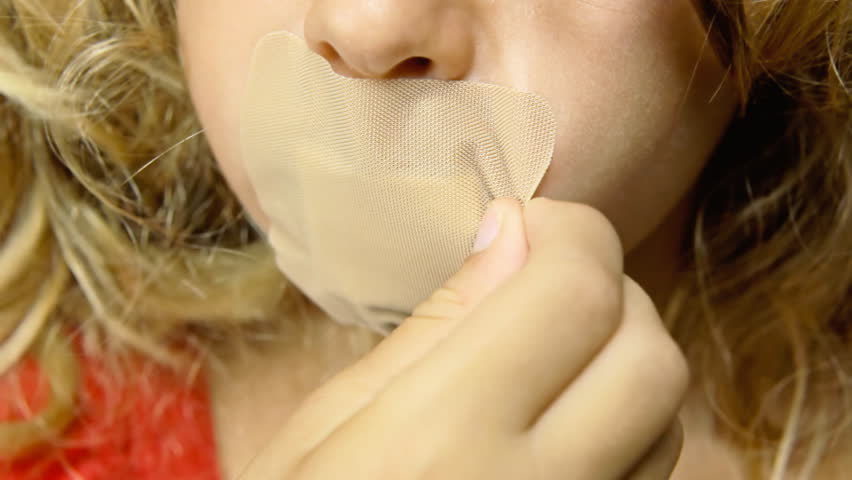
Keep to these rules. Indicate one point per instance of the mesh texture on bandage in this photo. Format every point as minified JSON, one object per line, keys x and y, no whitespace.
{"x":375,"y":188}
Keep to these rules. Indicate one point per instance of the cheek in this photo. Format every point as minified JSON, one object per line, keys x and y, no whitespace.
{"x":217,"y":39}
{"x":219,"y":115}
{"x":626,"y":143}
{"x":636,"y":123}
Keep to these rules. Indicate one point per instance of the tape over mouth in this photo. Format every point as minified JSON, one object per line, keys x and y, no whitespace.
{"x":375,"y":188}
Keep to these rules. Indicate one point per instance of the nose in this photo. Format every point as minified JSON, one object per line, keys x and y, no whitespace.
{"x":393,"y":38}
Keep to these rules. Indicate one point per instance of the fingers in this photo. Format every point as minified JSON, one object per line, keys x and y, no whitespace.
{"x":481,"y":272}
{"x":565,"y":233}
{"x":433,"y":319}
{"x":538,"y":329}
{"x":349,"y":391}
{"x":628,"y":395}
{"x":660,"y":461}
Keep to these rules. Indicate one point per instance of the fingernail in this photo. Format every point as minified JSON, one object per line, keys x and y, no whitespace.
{"x":488,"y":229}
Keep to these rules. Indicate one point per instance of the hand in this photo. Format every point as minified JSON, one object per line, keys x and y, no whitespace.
{"x":538,"y":360}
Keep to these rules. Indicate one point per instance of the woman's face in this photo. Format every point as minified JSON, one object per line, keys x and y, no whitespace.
{"x":638,"y":94}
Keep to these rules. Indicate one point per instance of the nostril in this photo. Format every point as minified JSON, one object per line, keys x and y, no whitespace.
{"x":412,"y":67}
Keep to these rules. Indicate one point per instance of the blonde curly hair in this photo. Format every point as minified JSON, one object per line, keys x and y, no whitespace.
{"x":115,"y":222}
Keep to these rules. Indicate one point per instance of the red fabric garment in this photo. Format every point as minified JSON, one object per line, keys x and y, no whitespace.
{"x":147,"y":424}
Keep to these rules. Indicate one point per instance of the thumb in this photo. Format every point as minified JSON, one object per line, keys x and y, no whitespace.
{"x":500,"y":250}
{"x":350,"y":390}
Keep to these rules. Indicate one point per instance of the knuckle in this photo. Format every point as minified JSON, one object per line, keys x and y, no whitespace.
{"x":572,"y":212}
{"x":588,"y":298}
{"x":600,"y":228}
{"x":594,"y":218}
{"x":586,"y":224}
{"x":592,"y":293}
{"x":447,"y":296}
{"x":444,"y":303}
{"x":666,"y":368}
{"x":677,"y":366}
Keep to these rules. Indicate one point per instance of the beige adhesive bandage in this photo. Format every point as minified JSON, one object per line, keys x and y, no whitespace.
{"x":375,"y":188}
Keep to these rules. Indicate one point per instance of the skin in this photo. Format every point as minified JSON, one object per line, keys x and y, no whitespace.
{"x":429,"y":389}
{"x":640,"y":102}
{"x":630,"y":142}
